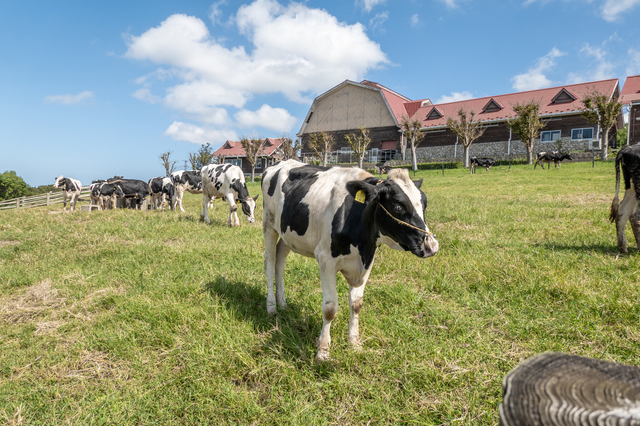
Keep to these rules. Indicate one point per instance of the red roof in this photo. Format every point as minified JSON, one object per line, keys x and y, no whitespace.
{"x":630,"y":90}
{"x":543,"y":96}
{"x":396,"y":101}
{"x":235,"y":149}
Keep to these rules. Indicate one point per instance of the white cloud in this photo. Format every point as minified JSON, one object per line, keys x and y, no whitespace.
{"x":612,"y":9}
{"x":415,"y":20}
{"x":634,"y":62}
{"x":277,"y":119}
{"x":376,"y":22}
{"x":70,"y":99}
{"x":535,"y":77}
{"x":214,"y":11}
{"x":603,"y":69}
{"x":454,"y":97}
{"x":369,"y":4}
{"x":451,"y":4}
{"x":146,"y":95}
{"x":195,"y":134}
{"x":293,"y":50}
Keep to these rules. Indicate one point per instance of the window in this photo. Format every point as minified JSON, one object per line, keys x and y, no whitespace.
{"x":550,"y":136}
{"x":580,"y":134}
{"x":259,"y":163}
{"x":234,"y":161}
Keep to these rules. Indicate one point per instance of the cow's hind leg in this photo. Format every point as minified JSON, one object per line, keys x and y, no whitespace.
{"x":233,"y":211}
{"x":270,"y":250}
{"x":625,"y":209}
{"x":635,"y":224}
{"x":281,"y":259}
{"x":329,"y":308}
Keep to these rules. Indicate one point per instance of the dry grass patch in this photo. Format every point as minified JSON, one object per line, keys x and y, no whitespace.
{"x":9,"y":243}
{"x":96,"y":365}
{"x":38,"y":300}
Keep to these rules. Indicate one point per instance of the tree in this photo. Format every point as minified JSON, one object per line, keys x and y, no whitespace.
{"x":12,"y":186}
{"x":359,"y":144}
{"x":466,"y":130}
{"x":252,"y":149}
{"x":412,"y":130}
{"x":321,"y":143}
{"x":288,"y":150}
{"x":167,"y":163}
{"x":527,"y":125}
{"x":598,"y":109}
{"x":203,"y":157}
{"x":220,"y":159}
{"x":622,"y":135}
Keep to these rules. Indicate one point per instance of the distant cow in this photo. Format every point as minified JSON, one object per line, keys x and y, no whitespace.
{"x":161,"y":189}
{"x":186,"y":180}
{"x":485,"y":162}
{"x":133,"y":189}
{"x":629,"y":158}
{"x":227,"y":181}
{"x":551,"y":157}
{"x":382,"y":169}
{"x":71,"y":189}
{"x":339,"y":216}
{"x":103,"y":193}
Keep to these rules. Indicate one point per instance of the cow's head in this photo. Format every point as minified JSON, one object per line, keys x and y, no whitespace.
{"x":398,"y":207}
{"x":118,"y":191}
{"x":59,"y":182}
{"x":249,"y":207}
{"x":567,"y":156}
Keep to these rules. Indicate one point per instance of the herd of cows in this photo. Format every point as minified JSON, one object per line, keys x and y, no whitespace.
{"x":339,"y":216}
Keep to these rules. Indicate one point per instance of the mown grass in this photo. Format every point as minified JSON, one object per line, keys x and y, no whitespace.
{"x":128,"y":317}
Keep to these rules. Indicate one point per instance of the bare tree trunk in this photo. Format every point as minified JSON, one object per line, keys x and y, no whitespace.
{"x":465,"y":155}
{"x":530,"y":154}
{"x":604,"y":144}
{"x":360,"y":160}
{"x":253,"y":173}
{"x":325,"y":159}
{"x":414,"y":157}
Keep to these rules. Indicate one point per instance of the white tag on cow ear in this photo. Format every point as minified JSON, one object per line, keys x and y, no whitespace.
{"x":360,"y":196}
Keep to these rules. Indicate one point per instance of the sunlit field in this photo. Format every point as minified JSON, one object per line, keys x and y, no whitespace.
{"x":132,"y":318}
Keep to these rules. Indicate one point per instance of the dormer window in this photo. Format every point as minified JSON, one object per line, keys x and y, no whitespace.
{"x":434,"y":114}
{"x":563,"y":97}
{"x":426,"y":102}
{"x":492,"y":106}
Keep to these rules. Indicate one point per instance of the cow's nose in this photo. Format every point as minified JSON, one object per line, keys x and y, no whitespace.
{"x":431,"y":246}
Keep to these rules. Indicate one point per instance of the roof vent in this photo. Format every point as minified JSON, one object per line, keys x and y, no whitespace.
{"x":492,"y":106}
{"x":434,"y":114}
{"x":563,"y":97}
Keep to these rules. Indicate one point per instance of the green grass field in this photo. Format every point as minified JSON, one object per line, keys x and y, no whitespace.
{"x":128,"y":317}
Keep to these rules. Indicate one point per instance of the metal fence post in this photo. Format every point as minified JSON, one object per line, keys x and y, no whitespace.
{"x":442,"y":167}
{"x":593,"y":157}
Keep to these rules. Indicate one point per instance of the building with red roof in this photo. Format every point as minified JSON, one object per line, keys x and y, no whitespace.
{"x":349,"y":106}
{"x":630,"y":97}
{"x":234,"y":153}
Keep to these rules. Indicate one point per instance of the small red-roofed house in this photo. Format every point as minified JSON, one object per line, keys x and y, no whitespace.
{"x":630,"y":97}
{"x":234,"y":153}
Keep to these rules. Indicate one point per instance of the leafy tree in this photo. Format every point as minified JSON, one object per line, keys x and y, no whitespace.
{"x":622,"y":135}
{"x":252,"y":149}
{"x":359,"y":144}
{"x":167,"y":163}
{"x":12,"y":186}
{"x":321,"y":143}
{"x":527,"y":125}
{"x":203,"y":157}
{"x":598,"y":109}
{"x":288,"y":149}
{"x":220,"y":159}
{"x":412,"y":130}
{"x":466,"y":130}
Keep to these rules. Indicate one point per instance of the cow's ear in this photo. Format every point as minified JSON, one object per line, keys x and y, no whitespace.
{"x":418,"y":183}
{"x":362,"y":191}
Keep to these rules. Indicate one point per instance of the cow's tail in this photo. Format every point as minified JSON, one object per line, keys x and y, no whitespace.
{"x":613,"y":214}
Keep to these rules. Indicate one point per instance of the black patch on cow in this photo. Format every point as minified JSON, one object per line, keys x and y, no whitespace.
{"x":295,"y":214}
{"x":273,"y":183}
{"x":352,"y":225}
{"x":218,"y":185}
{"x":218,"y":171}
{"x":227,"y":167}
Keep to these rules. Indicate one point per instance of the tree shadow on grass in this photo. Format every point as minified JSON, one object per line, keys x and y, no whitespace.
{"x":607,"y":249}
{"x":288,"y":335}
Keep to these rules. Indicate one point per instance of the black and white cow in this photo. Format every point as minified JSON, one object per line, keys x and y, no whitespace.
{"x":133,"y":189}
{"x":161,"y":189}
{"x":551,"y":157}
{"x":485,"y":162}
{"x":629,"y":158}
{"x":104,"y":194}
{"x":186,"y":180}
{"x":340,"y":216}
{"x":227,"y":181}
{"x":71,"y":189}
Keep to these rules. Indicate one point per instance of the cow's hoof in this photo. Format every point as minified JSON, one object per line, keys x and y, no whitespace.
{"x":271,"y":309}
{"x":322,"y":355}
{"x":355,"y":343}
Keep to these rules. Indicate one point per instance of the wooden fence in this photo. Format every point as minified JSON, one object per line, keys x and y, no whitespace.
{"x":41,"y":199}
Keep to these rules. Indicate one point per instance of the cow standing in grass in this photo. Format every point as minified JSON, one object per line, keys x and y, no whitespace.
{"x":227,"y":181}
{"x":339,"y":216}
{"x":161,"y":189}
{"x":551,"y":157}
{"x":485,"y":162}
{"x":104,"y":194}
{"x":185,"y":180}
{"x":629,"y":158}
{"x":71,"y":189}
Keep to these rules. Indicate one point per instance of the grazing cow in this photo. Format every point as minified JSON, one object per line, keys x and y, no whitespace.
{"x":339,"y":216}
{"x":485,"y":162}
{"x":103,"y":193}
{"x":227,"y":180}
{"x":161,"y":189}
{"x":186,"y":180}
{"x":134,"y":189}
{"x":71,"y":189}
{"x":551,"y":157}
{"x":629,"y":158}
{"x":382,"y":169}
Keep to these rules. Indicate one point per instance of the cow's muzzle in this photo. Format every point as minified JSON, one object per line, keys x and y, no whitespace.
{"x":428,"y":248}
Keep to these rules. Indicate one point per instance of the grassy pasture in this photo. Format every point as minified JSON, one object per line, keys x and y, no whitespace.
{"x":127,"y":317}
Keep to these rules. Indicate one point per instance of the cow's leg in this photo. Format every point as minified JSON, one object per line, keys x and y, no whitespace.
{"x":329,"y":307}
{"x":635,"y":223}
{"x":64,"y":201}
{"x":355,"y":304}
{"x":233,"y":210}
{"x":624,"y":211}
{"x":282,"y":251}
{"x":74,"y":199}
{"x":179,"y":194}
{"x":270,"y":250}
{"x":205,"y":204}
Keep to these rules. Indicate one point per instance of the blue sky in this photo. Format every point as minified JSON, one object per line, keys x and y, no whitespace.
{"x":94,"y":89}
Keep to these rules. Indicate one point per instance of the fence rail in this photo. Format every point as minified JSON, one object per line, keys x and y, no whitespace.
{"x":40,"y":200}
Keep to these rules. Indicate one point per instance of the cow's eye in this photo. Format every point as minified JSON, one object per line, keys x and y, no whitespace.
{"x":398,"y":208}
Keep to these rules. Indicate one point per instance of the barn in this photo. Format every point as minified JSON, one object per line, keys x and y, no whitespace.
{"x":234,"y":153}
{"x":630,"y":97}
